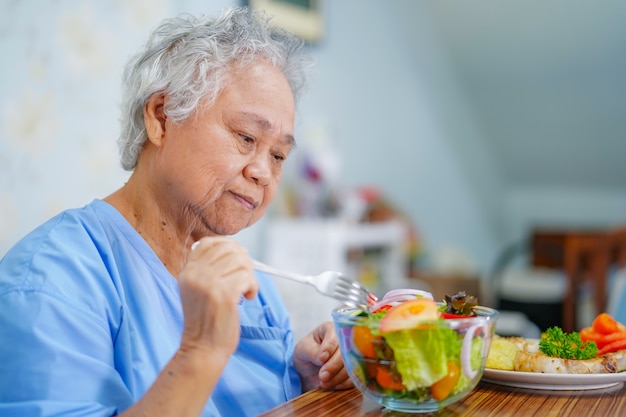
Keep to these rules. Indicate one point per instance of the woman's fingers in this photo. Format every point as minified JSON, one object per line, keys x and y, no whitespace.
{"x":224,"y":258}
{"x":217,"y":273}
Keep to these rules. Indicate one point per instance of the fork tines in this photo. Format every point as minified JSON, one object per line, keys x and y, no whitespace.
{"x":352,"y":293}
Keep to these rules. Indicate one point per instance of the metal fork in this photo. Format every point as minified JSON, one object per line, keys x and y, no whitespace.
{"x":330,"y":283}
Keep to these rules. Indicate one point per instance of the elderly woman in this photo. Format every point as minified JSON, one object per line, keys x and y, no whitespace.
{"x":107,"y":309}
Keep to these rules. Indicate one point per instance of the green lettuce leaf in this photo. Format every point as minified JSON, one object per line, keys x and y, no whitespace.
{"x":422,"y":355}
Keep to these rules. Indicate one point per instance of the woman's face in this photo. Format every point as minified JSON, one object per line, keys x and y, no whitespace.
{"x":220,"y":168}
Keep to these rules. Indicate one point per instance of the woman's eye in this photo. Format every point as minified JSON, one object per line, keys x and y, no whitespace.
{"x":246,"y":139}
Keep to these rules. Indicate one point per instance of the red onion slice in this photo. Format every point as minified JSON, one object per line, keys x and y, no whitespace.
{"x":408,"y":291}
{"x":466,"y":351}
{"x":395,"y":297}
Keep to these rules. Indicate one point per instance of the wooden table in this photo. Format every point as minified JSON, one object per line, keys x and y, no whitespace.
{"x":486,"y":400}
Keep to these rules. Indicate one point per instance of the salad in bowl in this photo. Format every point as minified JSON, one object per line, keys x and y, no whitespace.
{"x":412,"y":354}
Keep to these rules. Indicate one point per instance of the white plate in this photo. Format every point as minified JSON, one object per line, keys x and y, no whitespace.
{"x":557,"y":382}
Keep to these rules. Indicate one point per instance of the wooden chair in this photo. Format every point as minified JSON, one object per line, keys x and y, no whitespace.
{"x":617,"y":246}
{"x":583,"y":257}
{"x":606,"y":255}
{"x":587,"y":257}
{"x":616,"y":272}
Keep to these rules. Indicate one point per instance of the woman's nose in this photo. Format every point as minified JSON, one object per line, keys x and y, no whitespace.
{"x":258,"y":170}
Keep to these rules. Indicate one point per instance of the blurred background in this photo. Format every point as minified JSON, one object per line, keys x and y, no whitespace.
{"x":439,"y":140}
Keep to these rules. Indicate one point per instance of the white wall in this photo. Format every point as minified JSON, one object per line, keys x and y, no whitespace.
{"x":559,"y":207}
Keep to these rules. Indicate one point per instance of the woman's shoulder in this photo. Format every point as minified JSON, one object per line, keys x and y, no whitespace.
{"x":73,"y":243}
{"x":64,"y":262}
{"x":72,"y":226}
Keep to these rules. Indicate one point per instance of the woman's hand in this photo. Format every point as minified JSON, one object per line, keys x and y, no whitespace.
{"x":218,"y":272}
{"x":318,"y":360}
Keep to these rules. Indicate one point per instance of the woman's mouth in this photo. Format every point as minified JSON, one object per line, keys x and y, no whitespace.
{"x":247,"y":202}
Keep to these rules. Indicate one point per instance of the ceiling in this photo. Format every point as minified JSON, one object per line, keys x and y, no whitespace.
{"x":546,"y":81}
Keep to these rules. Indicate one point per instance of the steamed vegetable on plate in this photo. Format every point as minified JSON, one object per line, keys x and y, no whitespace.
{"x":597,"y":349}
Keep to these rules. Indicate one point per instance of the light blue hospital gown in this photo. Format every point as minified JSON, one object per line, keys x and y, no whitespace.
{"x":89,"y":316}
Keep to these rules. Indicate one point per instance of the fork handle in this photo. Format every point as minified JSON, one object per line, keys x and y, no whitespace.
{"x":260,"y":266}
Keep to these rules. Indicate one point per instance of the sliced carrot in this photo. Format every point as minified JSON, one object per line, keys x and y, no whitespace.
{"x":605,"y":324}
{"x":364,"y":340}
{"x":587,"y":334}
{"x":388,"y":379}
{"x":372,"y":368}
{"x":613,"y":347}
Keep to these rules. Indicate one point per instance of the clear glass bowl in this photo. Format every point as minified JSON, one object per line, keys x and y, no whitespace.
{"x":413,"y":382}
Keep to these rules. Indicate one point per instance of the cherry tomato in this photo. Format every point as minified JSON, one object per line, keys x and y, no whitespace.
{"x":409,"y":315}
{"x":441,"y":389}
{"x":364,"y":340}
{"x":453,"y":316}
{"x":382,"y":308}
{"x":388,"y":379}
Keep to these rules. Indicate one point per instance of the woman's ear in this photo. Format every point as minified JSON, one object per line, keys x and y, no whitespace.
{"x":154,"y":118}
